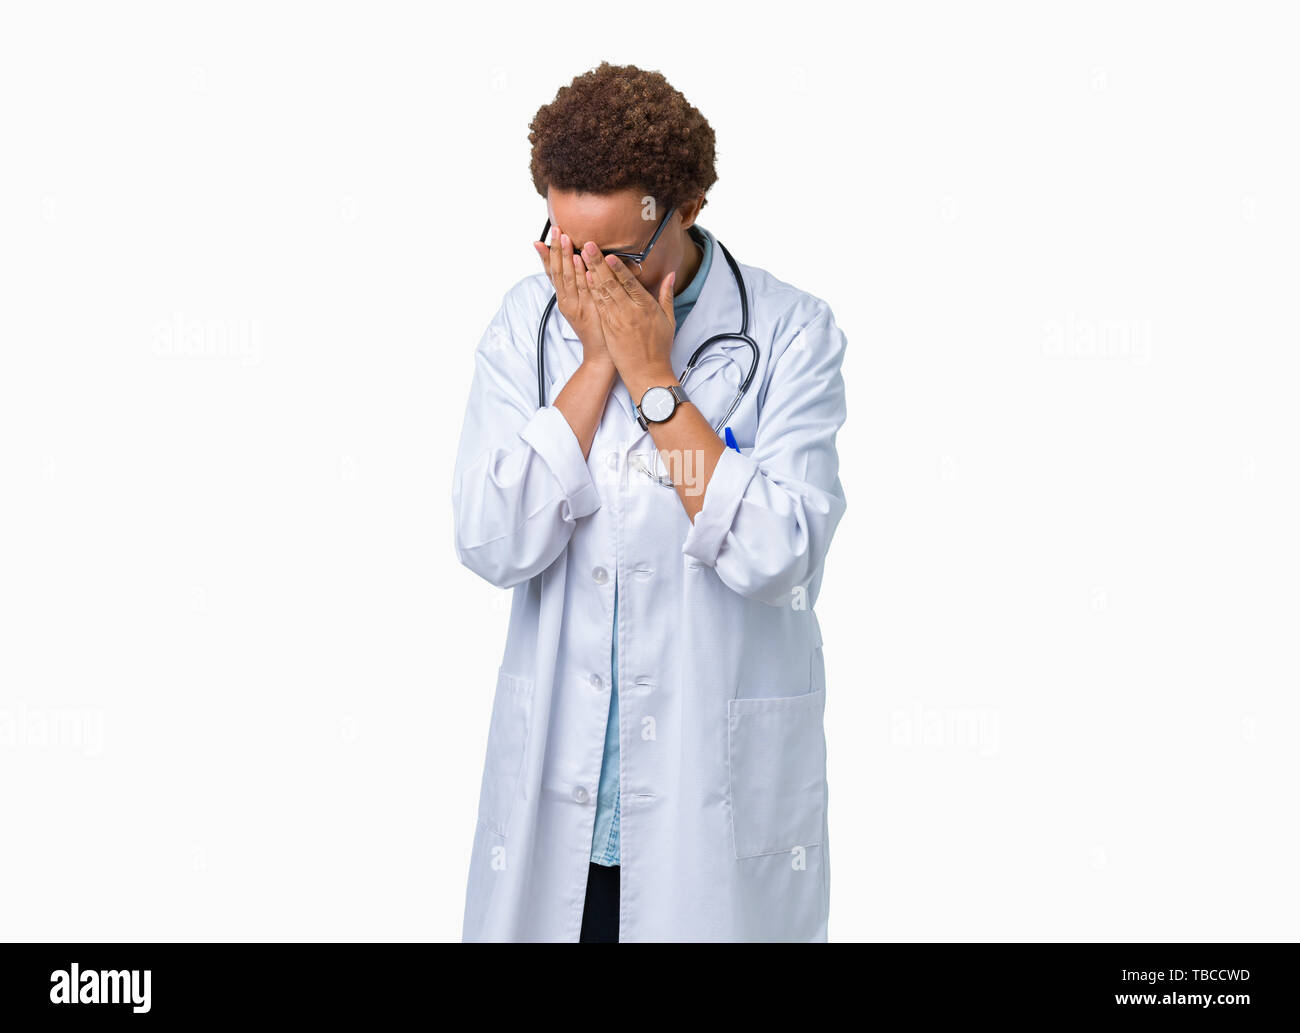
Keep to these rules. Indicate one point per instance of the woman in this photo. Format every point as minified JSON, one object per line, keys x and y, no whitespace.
{"x":656,"y":762}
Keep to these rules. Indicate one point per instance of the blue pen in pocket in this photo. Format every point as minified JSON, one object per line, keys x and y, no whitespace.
{"x":730,"y":438}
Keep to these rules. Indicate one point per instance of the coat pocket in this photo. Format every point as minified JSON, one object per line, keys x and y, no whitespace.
{"x":507,"y":741}
{"x":776,"y":759}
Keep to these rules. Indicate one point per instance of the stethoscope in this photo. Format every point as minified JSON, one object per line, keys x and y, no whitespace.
{"x":741,"y":335}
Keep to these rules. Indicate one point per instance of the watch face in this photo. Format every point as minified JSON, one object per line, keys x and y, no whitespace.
{"x":657,"y":404}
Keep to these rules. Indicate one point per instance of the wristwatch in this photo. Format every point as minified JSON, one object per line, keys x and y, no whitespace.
{"x":658,"y":404}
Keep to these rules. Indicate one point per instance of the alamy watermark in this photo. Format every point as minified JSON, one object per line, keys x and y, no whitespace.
{"x":77,"y":729}
{"x":101,"y":986}
{"x":186,"y":337}
{"x":1074,"y":338}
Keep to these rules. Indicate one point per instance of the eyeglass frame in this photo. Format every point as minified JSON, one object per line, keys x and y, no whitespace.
{"x":636,"y":257}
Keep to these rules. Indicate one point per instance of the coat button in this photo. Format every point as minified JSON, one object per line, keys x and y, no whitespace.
{"x":597,"y":682}
{"x":611,"y":460}
{"x":600,"y":575}
{"x":580,"y":794}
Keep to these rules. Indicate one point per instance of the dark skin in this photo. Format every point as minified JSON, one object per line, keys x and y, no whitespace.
{"x":624,"y":318}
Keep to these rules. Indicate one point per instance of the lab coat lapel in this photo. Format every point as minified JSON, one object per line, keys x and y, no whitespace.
{"x":716,"y":379}
{"x":716,"y":310}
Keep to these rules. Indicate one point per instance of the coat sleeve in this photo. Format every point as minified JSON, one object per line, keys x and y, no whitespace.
{"x":521,"y":482}
{"x":768,"y":517}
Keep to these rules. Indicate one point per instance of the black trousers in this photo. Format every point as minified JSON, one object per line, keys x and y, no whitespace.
{"x":600,"y":912}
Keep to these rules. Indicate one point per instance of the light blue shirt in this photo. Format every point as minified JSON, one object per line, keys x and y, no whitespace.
{"x":604,"y":840}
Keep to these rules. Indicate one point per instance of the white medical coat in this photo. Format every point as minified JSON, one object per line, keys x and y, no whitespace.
{"x":721,"y":682}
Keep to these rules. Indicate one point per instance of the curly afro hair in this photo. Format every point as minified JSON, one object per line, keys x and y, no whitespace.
{"x":619,"y":126}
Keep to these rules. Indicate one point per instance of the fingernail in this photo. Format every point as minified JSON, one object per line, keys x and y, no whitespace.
{"x":564,"y":240}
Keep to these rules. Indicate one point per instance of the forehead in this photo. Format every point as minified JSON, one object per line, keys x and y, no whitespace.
{"x":612,"y":220}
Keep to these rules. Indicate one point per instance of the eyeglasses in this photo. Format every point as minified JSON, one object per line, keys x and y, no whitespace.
{"x":635,"y":257}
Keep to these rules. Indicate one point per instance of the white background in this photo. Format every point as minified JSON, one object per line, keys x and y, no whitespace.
{"x":246,"y":251}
